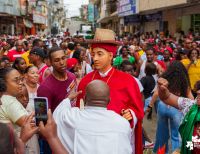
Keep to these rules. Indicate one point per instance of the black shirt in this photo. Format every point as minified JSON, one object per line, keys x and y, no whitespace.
{"x":148,"y":83}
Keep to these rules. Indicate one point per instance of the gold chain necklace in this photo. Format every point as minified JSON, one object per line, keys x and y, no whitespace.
{"x":113,"y":70}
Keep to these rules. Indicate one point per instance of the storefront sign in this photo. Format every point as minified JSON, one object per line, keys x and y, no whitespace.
{"x":132,"y":19}
{"x":28,"y":23}
{"x":91,"y":13}
{"x":39,"y":19}
{"x":10,"y":7}
{"x":153,"y":17}
{"x":126,"y":7}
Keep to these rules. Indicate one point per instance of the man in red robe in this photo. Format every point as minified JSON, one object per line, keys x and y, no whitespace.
{"x":125,"y":97}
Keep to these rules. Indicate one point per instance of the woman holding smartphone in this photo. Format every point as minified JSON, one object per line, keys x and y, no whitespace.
{"x":11,"y":110}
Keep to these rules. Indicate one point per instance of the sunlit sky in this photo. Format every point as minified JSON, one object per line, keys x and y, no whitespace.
{"x":73,"y":6}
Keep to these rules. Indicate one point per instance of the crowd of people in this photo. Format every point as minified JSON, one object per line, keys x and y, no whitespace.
{"x":98,"y":92}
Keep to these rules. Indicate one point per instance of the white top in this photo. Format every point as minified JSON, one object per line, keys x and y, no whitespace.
{"x":94,"y":130}
{"x":139,"y":84}
{"x":106,"y":73}
{"x":185,"y":104}
{"x":11,"y":111}
{"x":142,"y":70}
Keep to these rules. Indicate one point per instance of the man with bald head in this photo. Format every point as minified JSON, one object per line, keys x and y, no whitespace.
{"x":13,"y":54}
{"x":93,"y":129}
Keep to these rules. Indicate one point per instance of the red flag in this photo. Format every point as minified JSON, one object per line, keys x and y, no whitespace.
{"x":161,"y":150}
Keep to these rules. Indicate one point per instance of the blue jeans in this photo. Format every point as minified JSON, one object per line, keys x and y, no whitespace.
{"x":146,"y":102}
{"x":167,"y":117}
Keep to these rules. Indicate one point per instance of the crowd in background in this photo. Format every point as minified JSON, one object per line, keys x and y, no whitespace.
{"x":29,"y":61}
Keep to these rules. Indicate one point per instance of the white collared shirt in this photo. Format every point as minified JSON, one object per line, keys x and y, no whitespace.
{"x":94,"y":130}
{"x":106,"y":73}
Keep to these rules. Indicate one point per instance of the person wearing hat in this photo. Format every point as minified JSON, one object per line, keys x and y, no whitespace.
{"x":36,"y":57}
{"x":125,"y":97}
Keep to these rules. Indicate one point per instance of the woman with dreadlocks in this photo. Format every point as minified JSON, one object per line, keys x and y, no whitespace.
{"x":168,"y":116}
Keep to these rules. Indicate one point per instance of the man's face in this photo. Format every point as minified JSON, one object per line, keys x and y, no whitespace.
{"x":124,"y":52}
{"x":188,"y":44}
{"x":150,"y":55}
{"x":128,"y":69}
{"x":41,"y":44}
{"x":19,"y":46}
{"x":33,"y":58}
{"x":166,"y":55}
{"x":23,"y":97}
{"x":125,"y":41}
{"x":58,"y":61}
{"x":101,"y":58}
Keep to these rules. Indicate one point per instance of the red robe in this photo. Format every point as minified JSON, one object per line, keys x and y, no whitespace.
{"x":124,"y":94}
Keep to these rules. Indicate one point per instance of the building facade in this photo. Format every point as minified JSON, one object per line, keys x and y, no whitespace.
{"x":31,"y":16}
{"x":131,"y":16}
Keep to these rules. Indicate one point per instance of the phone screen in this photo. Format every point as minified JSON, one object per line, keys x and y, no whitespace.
{"x":41,"y":107}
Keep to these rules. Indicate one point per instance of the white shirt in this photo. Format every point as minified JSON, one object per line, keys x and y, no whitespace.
{"x":106,"y":73}
{"x":184,"y":104}
{"x":139,"y":84}
{"x":94,"y":130}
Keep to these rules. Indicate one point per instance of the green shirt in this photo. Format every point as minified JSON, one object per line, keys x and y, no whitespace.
{"x":118,"y":60}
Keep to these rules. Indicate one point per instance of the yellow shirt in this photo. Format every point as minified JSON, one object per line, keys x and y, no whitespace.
{"x":193,"y":71}
{"x":11,"y":110}
{"x":25,"y":56}
{"x":141,"y":52}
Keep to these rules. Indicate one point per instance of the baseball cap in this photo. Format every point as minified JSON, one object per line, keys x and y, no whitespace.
{"x":71,"y":62}
{"x":38,"y":51}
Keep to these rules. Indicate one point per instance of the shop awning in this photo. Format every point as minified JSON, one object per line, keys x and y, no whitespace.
{"x":28,"y":23}
{"x":106,"y":19}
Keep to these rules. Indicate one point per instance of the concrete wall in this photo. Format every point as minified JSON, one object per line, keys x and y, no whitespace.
{"x":145,"y":5}
{"x":180,"y":18}
{"x":74,"y":26}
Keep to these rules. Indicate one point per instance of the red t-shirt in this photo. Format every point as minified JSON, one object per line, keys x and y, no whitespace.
{"x":162,"y":64}
{"x":13,"y":54}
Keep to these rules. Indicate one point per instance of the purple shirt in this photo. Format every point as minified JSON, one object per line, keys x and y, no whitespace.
{"x":55,"y":90}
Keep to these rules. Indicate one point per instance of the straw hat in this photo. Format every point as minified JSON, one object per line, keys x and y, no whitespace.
{"x":104,"y":36}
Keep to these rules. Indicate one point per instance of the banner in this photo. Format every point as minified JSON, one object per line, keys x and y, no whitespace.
{"x":91,"y":13}
{"x":126,"y":7}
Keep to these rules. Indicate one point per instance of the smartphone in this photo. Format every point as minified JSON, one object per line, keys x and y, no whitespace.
{"x":41,"y":108}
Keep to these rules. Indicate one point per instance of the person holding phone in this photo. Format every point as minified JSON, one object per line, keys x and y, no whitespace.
{"x":56,"y":86}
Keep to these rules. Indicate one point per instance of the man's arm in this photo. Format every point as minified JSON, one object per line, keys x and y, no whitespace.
{"x":47,"y":73}
{"x":49,"y":131}
{"x":65,"y":104}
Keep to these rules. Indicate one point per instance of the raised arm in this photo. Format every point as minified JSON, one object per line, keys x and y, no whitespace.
{"x":49,"y":131}
{"x":165,"y":95}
